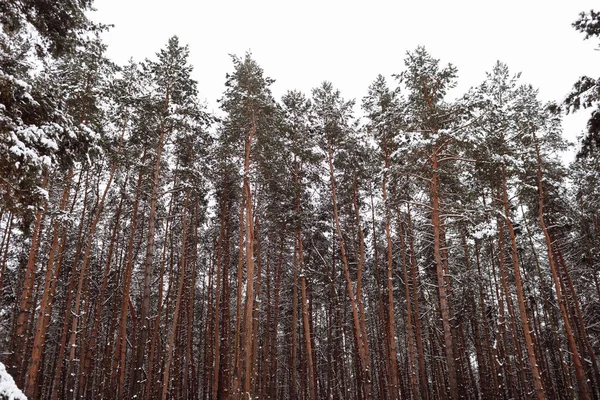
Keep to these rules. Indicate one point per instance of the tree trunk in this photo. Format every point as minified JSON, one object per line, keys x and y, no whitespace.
{"x":441,"y":279}
{"x":358,"y":335}
{"x":5,"y":246}
{"x":140,"y":346}
{"x":582,"y":386}
{"x":90,"y":354}
{"x":26,"y":301}
{"x":415,"y":297}
{"x":156,"y":326}
{"x":47,"y":298}
{"x":62,"y":345}
{"x":409,"y":324}
{"x":182,"y":268}
{"x":217,"y":337}
{"x":121,"y":345}
{"x":539,"y":389}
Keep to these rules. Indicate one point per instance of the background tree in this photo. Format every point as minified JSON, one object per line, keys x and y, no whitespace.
{"x":586,"y":91}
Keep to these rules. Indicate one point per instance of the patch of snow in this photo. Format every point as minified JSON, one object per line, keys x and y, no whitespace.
{"x":27,"y":96}
{"x":8,"y":388}
{"x":48,"y":142}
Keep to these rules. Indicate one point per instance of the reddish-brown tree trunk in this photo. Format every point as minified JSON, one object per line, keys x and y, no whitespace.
{"x":26,"y":301}
{"x":255,"y":341}
{"x":62,"y":345}
{"x":156,"y":327}
{"x":294,"y":329}
{"x":89,"y":360}
{"x":441,"y":279}
{"x":5,"y":246}
{"x":272,"y":390}
{"x":174,"y":324}
{"x":118,"y":373}
{"x":415,"y":297}
{"x":414,"y":385}
{"x":582,"y":386}
{"x":539,"y":388}
{"x":237,"y":348}
{"x":248,"y":390}
{"x":83,"y":272}
{"x":217,"y":335}
{"x":140,"y":346}
{"x":47,"y":298}
{"x":357,"y":330}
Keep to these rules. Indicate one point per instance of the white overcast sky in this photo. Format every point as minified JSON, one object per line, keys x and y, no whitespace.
{"x":302,"y":43}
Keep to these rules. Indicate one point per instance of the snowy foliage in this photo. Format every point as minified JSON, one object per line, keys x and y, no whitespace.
{"x":8,"y":388}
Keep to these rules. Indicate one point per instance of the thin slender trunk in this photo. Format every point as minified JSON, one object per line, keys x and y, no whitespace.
{"x":359,"y":294}
{"x":503,"y":358}
{"x":62,"y":345}
{"x":206,"y":342}
{"x":47,"y":298}
{"x":121,"y":345}
{"x":140,"y":347}
{"x":441,"y":279}
{"x":156,"y":326}
{"x":504,"y":278}
{"x":539,"y":388}
{"x":488,"y":348}
{"x":392,"y":358}
{"x":272,"y":393}
{"x":248,"y":390}
{"x":312,"y":382}
{"x":5,"y":246}
{"x":83,"y":271}
{"x":415,"y":296}
{"x":238,"y":310}
{"x":359,"y":337}
{"x":579,"y":316}
{"x":187,"y":371}
{"x":217,"y":337}
{"x":481,"y":365}
{"x":265,"y":369}
{"x":26,"y":301}
{"x":90,"y":360}
{"x":225,"y":345}
{"x":582,"y":386}
{"x":409,"y":319}
{"x":383,"y":351}
{"x":294,"y":328}
{"x":182,"y":268}
{"x":255,"y":341}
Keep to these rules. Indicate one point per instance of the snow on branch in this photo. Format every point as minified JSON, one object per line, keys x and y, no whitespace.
{"x":8,"y":388}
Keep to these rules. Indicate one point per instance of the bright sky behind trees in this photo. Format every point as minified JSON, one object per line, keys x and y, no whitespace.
{"x":349,"y":43}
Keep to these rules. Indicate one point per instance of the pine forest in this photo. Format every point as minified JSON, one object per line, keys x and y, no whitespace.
{"x":403,"y":245}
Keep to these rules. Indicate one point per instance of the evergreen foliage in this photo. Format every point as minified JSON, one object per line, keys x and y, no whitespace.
{"x":427,"y":247}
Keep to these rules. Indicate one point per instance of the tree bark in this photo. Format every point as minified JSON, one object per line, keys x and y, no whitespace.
{"x":47,"y":297}
{"x":140,"y":347}
{"x":358,"y":335}
{"x":539,"y":388}
{"x":582,"y":386}
{"x":441,"y":279}
{"x":26,"y":301}
{"x":182,"y":271}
